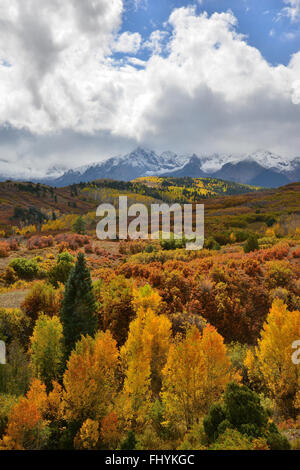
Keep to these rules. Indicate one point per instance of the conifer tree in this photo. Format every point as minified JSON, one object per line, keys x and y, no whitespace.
{"x":78,"y":312}
{"x":79,"y":225}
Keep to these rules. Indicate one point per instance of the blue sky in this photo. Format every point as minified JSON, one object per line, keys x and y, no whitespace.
{"x":261,"y":21}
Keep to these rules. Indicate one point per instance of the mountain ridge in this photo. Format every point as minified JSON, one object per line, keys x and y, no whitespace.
{"x":261,"y":168}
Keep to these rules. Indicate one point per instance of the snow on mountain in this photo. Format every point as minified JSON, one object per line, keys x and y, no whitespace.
{"x":270,"y":160}
{"x":214,"y":162}
{"x":145,"y":162}
{"x":258,"y":166}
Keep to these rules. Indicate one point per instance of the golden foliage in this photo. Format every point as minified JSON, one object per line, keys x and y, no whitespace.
{"x":144,"y":355}
{"x":90,"y":380}
{"x":196,"y":374}
{"x":273,"y":356}
{"x":88,"y":436}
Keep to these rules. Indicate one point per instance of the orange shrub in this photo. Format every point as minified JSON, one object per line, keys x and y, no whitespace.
{"x":296,"y":253}
{"x":63,"y":246}
{"x":4,"y":249}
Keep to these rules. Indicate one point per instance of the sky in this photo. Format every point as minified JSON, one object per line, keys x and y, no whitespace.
{"x":84,"y":81}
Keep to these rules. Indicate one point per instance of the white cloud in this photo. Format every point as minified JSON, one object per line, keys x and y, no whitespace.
{"x":128,"y":42}
{"x":155,"y":42}
{"x":51,"y":45}
{"x":135,"y":61}
{"x":293,"y":10}
{"x":212,"y":92}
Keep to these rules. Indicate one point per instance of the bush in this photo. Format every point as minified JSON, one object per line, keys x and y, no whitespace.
{"x":88,"y":248}
{"x":237,"y":354}
{"x":117,"y":309}
{"x":37,"y":242}
{"x":241,"y":235}
{"x":222,"y":238}
{"x":213,"y":420}
{"x":129,"y":442}
{"x":72,"y":241}
{"x":296,"y":253}
{"x":9,"y":276}
{"x":60,"y":272}
{"x":172,"y":244}
{"x":42,"y":298}
{"x":150,"y":248}
{"x":6,"y":404}
{"x":4,"y":249}
{"x":270,"y":221}
{"x":211,"y":244}
{"x":15,"y":377}
{"x":25,"y":269}
{"x":279,"y":274}
{"x":79,"y":226}
{"x":14,"y":324}
{"x":277,"y":441}
{"x":242,"y":412}
{"x":13,"y":244}
{"x":251,"y":244}
{"x":232,"y":439}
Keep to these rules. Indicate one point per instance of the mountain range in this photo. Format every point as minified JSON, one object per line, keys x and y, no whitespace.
{"x":261,"y":168}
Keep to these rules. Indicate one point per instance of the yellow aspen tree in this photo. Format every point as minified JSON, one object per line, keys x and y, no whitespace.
{"x":217,"y":366}
{"x":90,"y":380}
{"x":54,"y":402}
{"x":37,"y":394}
{"x":46,"y":349}
{"x":196,"y":374}
{"x":144,"y":355}
{"x":273,"y":357}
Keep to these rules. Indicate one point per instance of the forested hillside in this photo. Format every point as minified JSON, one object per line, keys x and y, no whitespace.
{"x":143,"y":344}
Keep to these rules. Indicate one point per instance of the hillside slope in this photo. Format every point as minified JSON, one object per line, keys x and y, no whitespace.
{"x":27,"y":203}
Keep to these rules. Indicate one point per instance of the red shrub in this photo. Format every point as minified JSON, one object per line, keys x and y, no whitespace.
{"x":13,"y":244}
{"x":89,"y":248}
{"x":37,"y":242}
{"x":72,"y":241}
{"x":101,"y":252}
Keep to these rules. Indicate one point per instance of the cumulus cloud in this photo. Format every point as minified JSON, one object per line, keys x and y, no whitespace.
{"x":205,"y":90}
{"x":155,"y":42}
{"x":128,"y":43}
{"x":45,"y":50}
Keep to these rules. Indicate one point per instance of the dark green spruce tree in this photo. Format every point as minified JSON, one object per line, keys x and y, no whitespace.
{"x":78,"y":312}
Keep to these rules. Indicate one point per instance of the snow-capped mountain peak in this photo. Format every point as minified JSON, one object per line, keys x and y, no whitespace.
{"x":261,"y":168}
{"x":270,"y":160}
